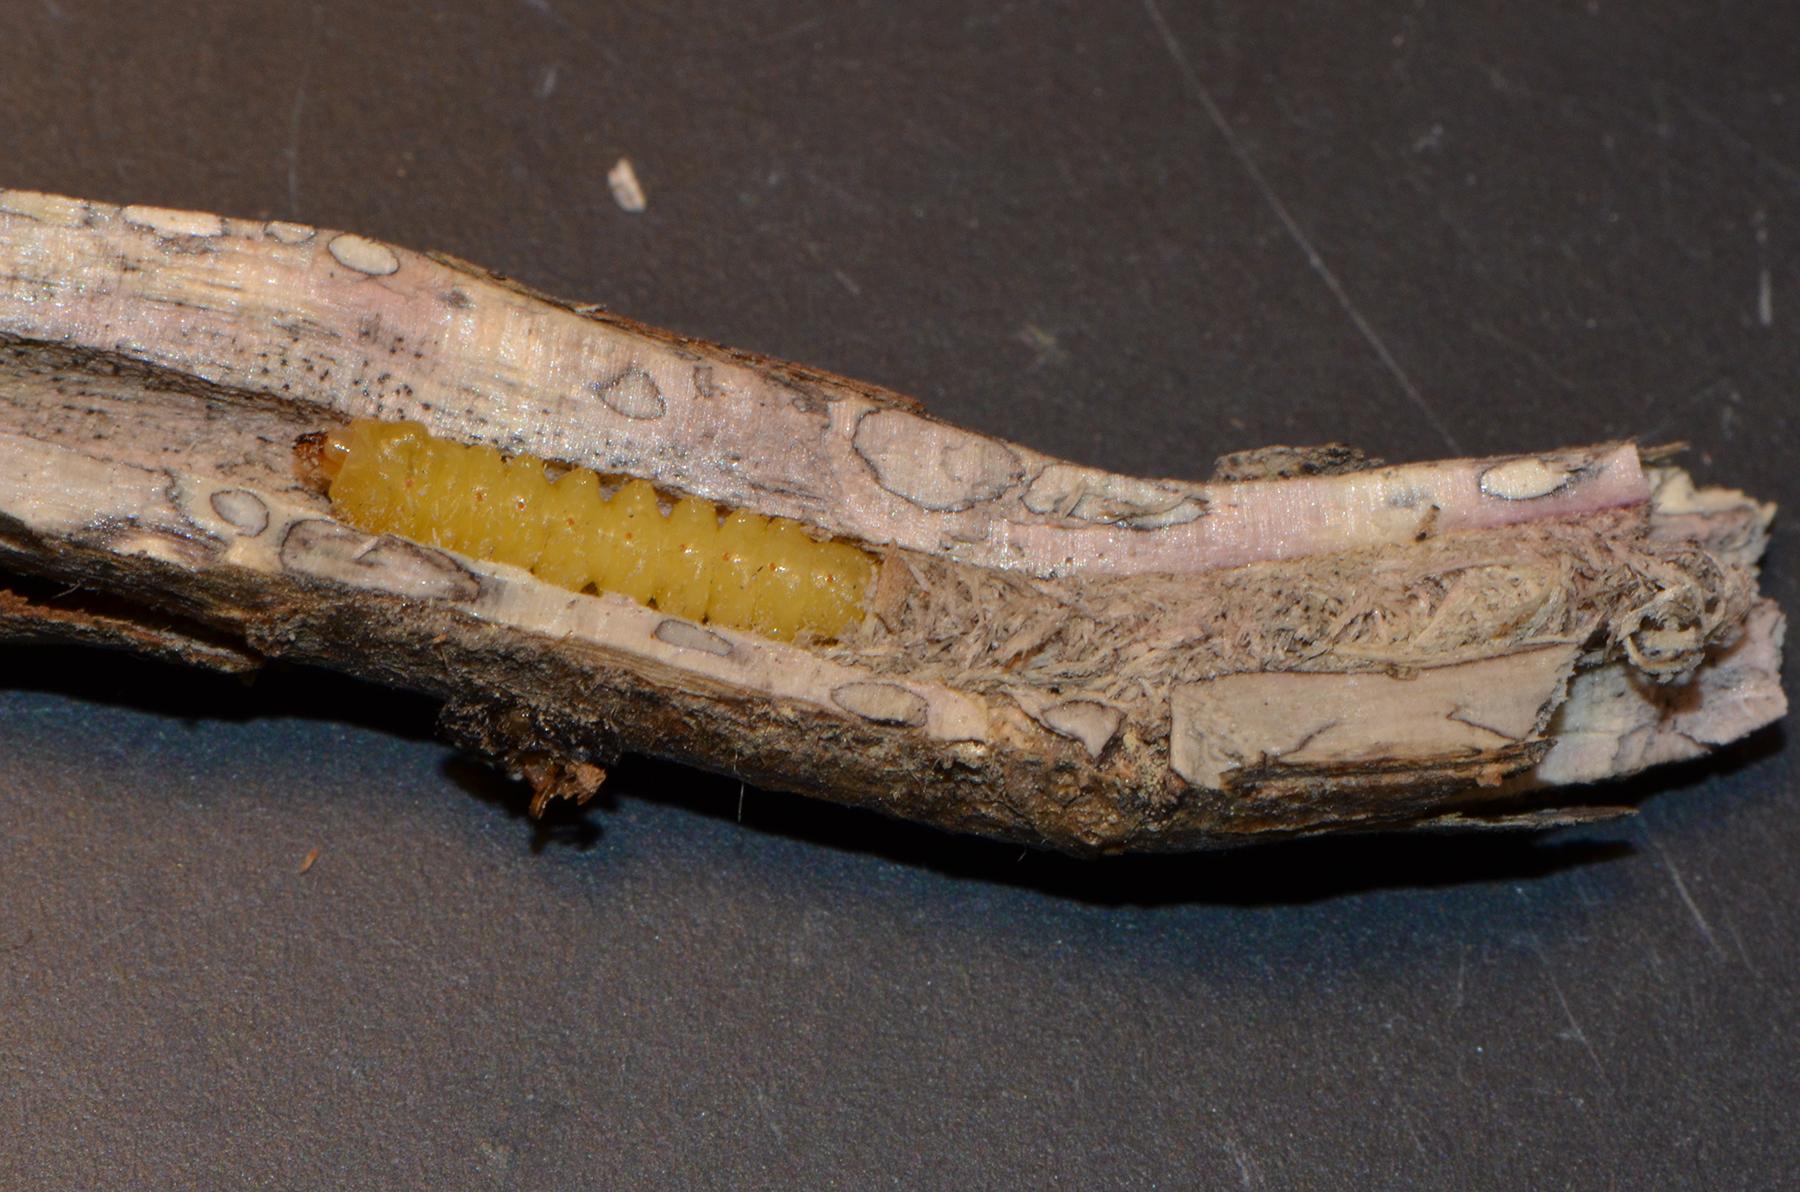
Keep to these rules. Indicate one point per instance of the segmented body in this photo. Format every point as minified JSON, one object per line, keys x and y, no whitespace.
{"x":685,"y":556}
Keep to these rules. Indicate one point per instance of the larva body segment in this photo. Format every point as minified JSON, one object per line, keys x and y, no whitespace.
{"x":744,"y":571}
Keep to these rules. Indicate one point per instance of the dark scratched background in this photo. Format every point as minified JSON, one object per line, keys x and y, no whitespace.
{"x":1138,"y":233}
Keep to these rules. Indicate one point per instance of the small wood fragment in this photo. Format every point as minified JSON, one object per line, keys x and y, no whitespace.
{"x":627,"y":191}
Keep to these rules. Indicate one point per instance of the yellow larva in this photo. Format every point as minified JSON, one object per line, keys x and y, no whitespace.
{"x":743,"y":570}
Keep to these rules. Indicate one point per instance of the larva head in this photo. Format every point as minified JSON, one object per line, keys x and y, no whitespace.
{"x":334,"y":449}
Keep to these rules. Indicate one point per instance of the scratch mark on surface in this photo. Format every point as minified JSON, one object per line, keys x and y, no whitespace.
{"x":1664,"y":130}
{"x":119,"y":932}
{"x":293,"y":145}
{"x":1248,"y":1173}
{"x":1575,"y":1032}
{"x":1765,"y":286}
{"x":1769,"y":160}
{"x":296,"y":114}
{"x":1046,"y":350}
{"x":1743,"y":953}
{"x":1216,"y":117}
{"x":768,"y":1115}
{"x":793,"y":30}
{"x":1721,"y":394}
{"x":546,"y":86}
{"x":1413,"y":1132}
{"x":1682,"y":889}
{"x":1488,"y":331}
{"x":838,"y":191}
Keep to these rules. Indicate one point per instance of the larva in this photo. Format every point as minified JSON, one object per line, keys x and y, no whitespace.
{"x":739,"y":569}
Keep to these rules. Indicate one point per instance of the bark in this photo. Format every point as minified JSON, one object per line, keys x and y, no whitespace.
{"x":1053,"y":654}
